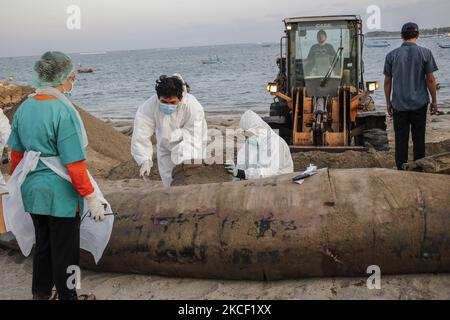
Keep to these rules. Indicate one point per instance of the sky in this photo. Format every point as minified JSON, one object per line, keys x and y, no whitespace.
{"x":31,"y":27}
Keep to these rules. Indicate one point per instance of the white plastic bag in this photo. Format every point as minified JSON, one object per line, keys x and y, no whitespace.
{"x":16,"y":219}
{"x":94,"y":236}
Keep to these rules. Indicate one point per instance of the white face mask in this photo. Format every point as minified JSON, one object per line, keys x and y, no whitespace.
{"x":68,"y":93}
{"x":253,"y":140}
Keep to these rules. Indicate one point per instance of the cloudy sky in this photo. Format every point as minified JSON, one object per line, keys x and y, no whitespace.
{"x":30,"y":27}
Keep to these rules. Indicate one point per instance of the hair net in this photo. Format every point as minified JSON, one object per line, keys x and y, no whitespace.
{"x":52,"y":69}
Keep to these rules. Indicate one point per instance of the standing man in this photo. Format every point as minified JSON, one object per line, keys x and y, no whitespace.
{"x":178,"y":120}
{"x":409,"y":79}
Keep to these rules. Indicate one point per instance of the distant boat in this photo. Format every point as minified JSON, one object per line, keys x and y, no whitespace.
{"x":84,"y":70}
{"x":92,"y":53}
{"x":212,"y":60}
{"x":383,"y":44}
{"x":444,"y":46}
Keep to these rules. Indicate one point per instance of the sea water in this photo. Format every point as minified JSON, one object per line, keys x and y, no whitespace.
{"x":123,"y":80}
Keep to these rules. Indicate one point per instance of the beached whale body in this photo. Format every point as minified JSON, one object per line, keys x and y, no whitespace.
{"x":338,"y":223}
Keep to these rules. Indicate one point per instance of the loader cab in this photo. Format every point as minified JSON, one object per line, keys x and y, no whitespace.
{"x":326,"y":50}
{"x":320,"y":98}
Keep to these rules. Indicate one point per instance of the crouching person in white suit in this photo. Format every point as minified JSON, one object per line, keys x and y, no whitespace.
{"x":264,"y":153}
{"x":178,"y":120}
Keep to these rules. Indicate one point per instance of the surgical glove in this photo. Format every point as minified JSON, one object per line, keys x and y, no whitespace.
{"x":146,"y":168}
{"x":96,"y":207}
{"x":231,"y":168}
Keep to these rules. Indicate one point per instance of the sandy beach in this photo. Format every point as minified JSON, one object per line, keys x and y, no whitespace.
{"x":15,"y":282}
{"x":116,"y":171}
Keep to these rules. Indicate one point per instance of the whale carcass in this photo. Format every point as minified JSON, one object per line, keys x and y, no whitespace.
{"x":337,"y":223}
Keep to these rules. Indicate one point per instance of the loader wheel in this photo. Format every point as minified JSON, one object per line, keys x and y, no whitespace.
{"x":279,"y":109}
{"x":285,"y":133}
{"x":376,"y":139}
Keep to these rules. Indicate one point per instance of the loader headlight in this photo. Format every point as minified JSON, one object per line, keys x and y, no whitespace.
{"x":272,"y":87}
{"x":372,"y":86}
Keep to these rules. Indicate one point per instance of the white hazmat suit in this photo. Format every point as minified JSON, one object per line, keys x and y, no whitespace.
{"x":5,"y":131}
{"x":265,"y":153}
{"x":181,"y":136}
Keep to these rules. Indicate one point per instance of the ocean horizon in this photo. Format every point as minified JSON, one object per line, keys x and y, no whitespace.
{"x":123,"y":80}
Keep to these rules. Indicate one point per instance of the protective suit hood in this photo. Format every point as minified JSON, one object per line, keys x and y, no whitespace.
{"x":250,"y":121}
{"x":269,"y":156}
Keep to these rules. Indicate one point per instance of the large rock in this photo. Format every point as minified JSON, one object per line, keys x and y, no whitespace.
{"x":107,"y":147}
{"x":438,"y":163}
{"x":12,"y":95}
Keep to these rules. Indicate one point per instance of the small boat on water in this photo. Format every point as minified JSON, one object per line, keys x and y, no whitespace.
{"x":444,"y":46}
{"x":212,"y":60}
{"x":383,"y":44}
{"x":92,"y":53}
{"x":84,"y":70}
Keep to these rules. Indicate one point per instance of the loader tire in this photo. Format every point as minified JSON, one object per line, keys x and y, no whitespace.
{"x":376,"y":139}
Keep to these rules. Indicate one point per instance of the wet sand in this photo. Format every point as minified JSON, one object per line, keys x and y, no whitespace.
{"x":15,"y":283}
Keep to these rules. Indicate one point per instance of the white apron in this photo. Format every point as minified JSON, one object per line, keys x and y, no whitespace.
{"x":94,"y":236}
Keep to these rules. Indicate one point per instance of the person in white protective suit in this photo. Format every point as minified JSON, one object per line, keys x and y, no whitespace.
{"x":178,"y":120}
{"x":5,"y":131}
{"x":264,"y":153}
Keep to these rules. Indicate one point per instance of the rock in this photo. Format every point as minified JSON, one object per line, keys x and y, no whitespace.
{"x":439,"y":163}
{"x":107,"y":147}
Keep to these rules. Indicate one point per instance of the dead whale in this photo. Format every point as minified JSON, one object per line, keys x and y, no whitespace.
{"x":337,"y":223}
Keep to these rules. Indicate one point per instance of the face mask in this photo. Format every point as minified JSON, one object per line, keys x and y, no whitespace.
{"x":68,"y":93}
{"x":168,"y":108}
{"x":253,"y":141}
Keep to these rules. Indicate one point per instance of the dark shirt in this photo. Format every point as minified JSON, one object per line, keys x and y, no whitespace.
{"x":316,"y":51}
{"x":408,"y":66}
